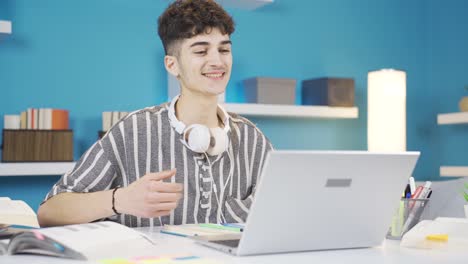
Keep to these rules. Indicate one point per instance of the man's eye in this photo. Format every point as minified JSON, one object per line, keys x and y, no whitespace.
{"x":225,"y":51}
{"x":201,"y":52}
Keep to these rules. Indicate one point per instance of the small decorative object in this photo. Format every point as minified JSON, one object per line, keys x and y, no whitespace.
{"x":463,"y":104}
{"x":331,"y":91}
{"x":268,"y":90}
{"x":465,"y":195}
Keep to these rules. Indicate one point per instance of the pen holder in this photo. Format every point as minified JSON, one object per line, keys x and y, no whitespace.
{"x":407,"y":215}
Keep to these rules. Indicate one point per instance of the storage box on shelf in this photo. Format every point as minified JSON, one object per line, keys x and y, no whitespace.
{"x":453,"y":119}
{"x":26,"y":145}
{"x":267,"y":90}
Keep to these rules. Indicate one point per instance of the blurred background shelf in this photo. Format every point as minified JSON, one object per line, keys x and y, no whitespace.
{"x":454,"y":171}
{"x":293,"y":111}
{"x":5,"y":27}
{"x":452,"y":118}
{"x":245,"y":4}
{"x":35,"y":168}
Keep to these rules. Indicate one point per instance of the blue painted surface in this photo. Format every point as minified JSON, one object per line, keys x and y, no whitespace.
{"x":91,"y":56}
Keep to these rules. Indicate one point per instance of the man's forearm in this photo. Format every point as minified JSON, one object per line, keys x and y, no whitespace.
{"x":75,"y":208}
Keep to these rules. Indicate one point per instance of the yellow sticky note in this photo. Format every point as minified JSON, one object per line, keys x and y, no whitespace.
{"x":116,"y":261}
{"x":437,"y":237}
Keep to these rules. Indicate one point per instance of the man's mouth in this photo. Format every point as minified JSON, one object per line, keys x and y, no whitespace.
{"x":214,"y":76}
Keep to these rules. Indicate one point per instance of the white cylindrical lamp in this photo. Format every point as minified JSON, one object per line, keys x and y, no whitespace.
{"x":386,"y":111}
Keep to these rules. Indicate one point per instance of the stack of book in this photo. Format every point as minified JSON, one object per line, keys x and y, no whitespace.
{"x":109,"y":119}
{"x":37,"y":134}
{"x":38,"y":118}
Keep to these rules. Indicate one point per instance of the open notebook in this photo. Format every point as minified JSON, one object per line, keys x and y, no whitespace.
{"x":16,"y":212}
{"x":91,"y":241}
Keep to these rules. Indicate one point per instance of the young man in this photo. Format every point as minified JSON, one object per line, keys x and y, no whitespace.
{"x":184,"y":162}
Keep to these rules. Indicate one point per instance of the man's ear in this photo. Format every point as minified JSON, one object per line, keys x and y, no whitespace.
{"x":171,"y":64}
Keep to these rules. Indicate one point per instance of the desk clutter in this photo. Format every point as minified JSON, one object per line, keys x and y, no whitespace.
{"x":37,"y":135}
{"x":92,"y":241}
{"x":444,"y":233}
{"x":410,"y":208}
{"x":105,"y":242}
{"x":182,"y":259}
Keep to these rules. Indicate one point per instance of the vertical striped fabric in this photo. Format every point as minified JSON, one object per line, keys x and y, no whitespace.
{"x":144,"y":142}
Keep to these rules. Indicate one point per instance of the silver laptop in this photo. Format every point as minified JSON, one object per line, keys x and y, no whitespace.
{"x":317,"y":200}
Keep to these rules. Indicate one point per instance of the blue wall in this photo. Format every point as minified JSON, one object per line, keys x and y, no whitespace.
{"x":91,"y":56}
{"x":447,"y":75}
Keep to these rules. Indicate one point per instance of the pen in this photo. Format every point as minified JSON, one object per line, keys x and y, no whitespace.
{"x":429,"y":194}
{"x":175,"y":234}
{"x":412,"y":185}
{"x":221,"y":227}
{"x":416,"y":193}
{"x":407,"y":191}
{"x":425,"y":190}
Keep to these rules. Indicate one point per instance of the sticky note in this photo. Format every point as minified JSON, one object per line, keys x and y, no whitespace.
{"x":437,"y":237}
{"x":116,"y":261}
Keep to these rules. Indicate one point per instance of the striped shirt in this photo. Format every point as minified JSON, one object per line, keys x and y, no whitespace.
{"x":145,"y":142}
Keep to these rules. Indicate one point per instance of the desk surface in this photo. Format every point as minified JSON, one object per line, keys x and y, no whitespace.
{"x":389,"y":252}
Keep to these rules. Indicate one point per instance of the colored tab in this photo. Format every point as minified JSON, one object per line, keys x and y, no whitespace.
{"x":59,"y":247}
{"x":437,"y":237}
{"x":38,"y":235}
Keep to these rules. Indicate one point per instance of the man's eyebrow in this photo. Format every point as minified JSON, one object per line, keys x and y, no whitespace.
{"x":205,"y":43}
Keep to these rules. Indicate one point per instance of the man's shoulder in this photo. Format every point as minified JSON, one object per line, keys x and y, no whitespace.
{"x":151,"y":110}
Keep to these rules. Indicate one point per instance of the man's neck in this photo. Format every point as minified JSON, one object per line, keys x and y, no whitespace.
{"x":197,"y":109}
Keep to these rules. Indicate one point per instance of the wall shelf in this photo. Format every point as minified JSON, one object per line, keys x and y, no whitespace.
{"x":35,"y":168}
{"x":452,"y":118}
{"x":293,"y":111}
{"x":454,"y":171}
{"x":5,"y":27}
{"x":245,"y":4}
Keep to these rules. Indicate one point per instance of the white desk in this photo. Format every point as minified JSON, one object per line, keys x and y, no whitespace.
{"x":389,"y":252}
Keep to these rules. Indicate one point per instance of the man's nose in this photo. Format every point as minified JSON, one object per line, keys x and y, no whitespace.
{"x":215,"y":58}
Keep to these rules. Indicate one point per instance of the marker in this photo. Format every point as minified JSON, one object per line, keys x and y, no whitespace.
{"x":412,"y":185}
{"x":407,"y":191}
{"x":425,"y":191}
{"x":416,"y":193}
{"x":429,"y":194}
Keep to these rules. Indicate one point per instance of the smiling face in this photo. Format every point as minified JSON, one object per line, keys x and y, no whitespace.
{"x":203,"y":63}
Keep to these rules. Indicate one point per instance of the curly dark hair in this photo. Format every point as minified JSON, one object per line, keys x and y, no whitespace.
{"x":184,"y":19}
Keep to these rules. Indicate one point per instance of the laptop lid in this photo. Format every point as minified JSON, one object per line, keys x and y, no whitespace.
{"x":315,"y":200}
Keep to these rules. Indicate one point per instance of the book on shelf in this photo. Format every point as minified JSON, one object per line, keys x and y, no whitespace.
{"x":42,"y":118}
{"x":110,"y":118}
{"x":91,"y":241}
{"x":16,"y":212}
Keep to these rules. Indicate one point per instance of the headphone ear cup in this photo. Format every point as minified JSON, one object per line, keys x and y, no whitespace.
{"x":219,"y":141}
{"x":197,"y":138}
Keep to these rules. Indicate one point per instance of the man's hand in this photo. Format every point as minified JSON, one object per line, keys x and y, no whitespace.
{"x":149,"y":196}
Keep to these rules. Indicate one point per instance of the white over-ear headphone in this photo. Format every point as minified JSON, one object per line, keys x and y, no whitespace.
{"x":200,"y":138}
